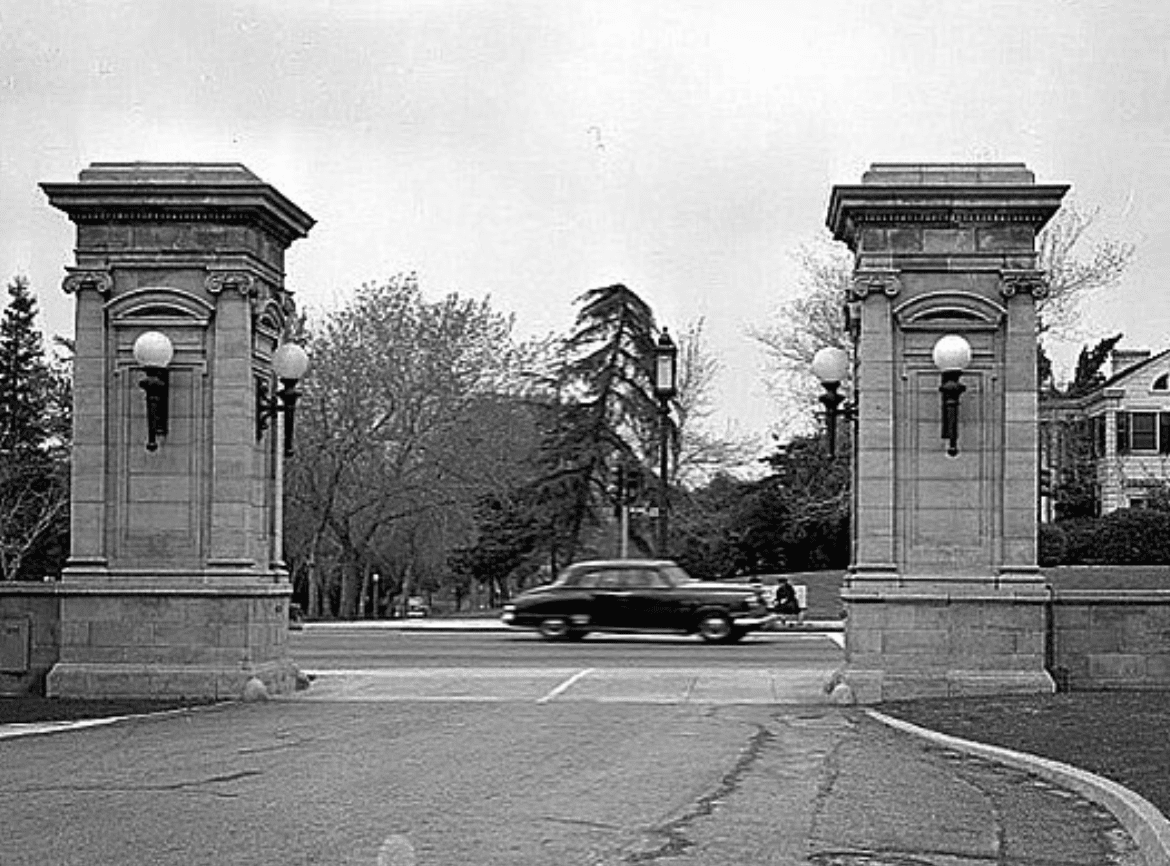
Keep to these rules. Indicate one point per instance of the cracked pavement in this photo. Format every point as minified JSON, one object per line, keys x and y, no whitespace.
{"x":573,"y":782}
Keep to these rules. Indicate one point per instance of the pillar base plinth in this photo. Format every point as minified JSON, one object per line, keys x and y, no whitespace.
{"x":165,"y":682}
{"x":943,"y":639}
{"x":868,"y":686}
{"x":171,"y":642}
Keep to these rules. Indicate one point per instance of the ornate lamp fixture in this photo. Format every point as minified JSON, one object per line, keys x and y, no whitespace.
{"x":665,"y":387}
{"x":153,"y":352}
{"x":290,"y":363}
{"x":952,"y":355}
{"x":831,"y":366}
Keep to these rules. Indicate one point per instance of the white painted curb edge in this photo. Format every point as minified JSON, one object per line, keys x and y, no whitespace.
{"x":32,"y":729}
{"x":1146,"y":825}
{"x":28,"y":729}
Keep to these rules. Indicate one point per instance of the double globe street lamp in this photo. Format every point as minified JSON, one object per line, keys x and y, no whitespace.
{"x":153,"y":351}
{"x":951,"y":356}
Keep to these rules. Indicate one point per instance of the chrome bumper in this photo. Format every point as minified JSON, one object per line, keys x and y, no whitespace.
{"x":753,"y":622}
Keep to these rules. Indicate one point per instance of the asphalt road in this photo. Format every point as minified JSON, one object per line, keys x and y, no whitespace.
{"x":356,"y":648}
{"x":504,"y":750}
{"x":523,"y":784}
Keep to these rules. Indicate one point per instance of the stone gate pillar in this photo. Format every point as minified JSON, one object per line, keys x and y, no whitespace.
{"x":175,"y":584}
{"x":943,"y":595}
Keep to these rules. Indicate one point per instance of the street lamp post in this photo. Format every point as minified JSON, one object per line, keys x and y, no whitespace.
{"x":665,"y":387}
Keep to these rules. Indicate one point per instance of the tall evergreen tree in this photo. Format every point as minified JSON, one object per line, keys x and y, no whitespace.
{"x":608,"y":411}
{"x":25,"y":375}
{"x":34,"y":466}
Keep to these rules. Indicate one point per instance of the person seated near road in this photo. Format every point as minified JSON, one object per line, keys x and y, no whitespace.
{"x":786,"y":600}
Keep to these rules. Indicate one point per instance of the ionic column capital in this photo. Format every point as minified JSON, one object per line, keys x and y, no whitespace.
{"x":866,"y":282}
{"x":1023,"y":281}
{"x":80,"y":279}
{"x":241,"y":281}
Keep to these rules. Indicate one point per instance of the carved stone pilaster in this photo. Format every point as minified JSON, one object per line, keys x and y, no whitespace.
{"x":870,"y":282}
{"x":79,"y":280}
{"x":1029,"y":282}
{"x":240,"y":281}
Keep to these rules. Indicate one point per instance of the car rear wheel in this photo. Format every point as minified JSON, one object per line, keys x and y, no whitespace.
{"x":554,"y":628}
{"x":715,"y":626}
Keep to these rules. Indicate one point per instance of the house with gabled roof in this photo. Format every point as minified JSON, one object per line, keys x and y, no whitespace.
{"x":1115,"y":437}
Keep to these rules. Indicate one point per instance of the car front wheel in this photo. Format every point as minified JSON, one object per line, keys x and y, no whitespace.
{"x":715,"y":627}
{"x":554,"y":628}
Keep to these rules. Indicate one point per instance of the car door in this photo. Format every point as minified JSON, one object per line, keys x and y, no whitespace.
{"x":610,"y":597}
{"x":648,"y":603}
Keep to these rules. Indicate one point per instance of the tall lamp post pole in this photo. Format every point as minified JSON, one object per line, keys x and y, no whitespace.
{"x":665,"y":387}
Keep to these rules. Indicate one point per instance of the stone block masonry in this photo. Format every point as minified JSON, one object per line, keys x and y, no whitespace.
{"x":175,"y":585}
{"x":943,"y":595}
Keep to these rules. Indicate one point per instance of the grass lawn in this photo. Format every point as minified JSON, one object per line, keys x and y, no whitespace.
{"x":1122,"y":736}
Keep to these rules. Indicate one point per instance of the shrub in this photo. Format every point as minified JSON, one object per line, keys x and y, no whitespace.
{"x":1079,"y":540}
{"x":1132,"y":536}
{"x":1053,"y":545}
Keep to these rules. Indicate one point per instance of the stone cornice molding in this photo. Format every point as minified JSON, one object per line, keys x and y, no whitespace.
{"x":182,"y":192}
{"x":79,"y":280}
{"x":241,"y":281}
{"x":867,"y":282}
{"x":1023,"y":281}
{"x":949,"y":216}
{"x":939,"y":205}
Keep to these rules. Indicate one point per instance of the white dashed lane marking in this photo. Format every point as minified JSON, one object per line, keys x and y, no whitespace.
{"x":565,"y":686}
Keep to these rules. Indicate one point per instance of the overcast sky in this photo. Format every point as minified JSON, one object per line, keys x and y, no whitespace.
{"x":534,"y":150}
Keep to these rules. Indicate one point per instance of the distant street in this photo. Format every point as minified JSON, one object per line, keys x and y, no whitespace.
{"x":385,"y":664}
{"x":338,"y":648}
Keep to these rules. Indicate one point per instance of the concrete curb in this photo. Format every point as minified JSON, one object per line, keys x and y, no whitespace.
{"x":1148,"y":827}
{"x":13,"y":730}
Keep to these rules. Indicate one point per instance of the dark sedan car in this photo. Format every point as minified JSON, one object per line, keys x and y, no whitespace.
{"x":637,"y":595}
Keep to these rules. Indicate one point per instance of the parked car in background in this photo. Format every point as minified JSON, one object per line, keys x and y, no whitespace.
{"x":633,"y":595}
{"x":416,"y":607}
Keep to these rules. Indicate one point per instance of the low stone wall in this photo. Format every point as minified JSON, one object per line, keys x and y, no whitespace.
{"x":30,"y":630}
{"x":1109,"y":627}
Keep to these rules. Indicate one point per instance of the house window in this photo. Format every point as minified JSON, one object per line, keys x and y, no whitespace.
{"x":1143,"y":428}
{"x":1143,"y":431}
{"x":1162,"y":383}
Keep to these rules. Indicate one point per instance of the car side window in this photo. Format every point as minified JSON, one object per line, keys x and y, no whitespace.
{"x":637,"y":578}
{"x":587,"y":579}
{"x":675,"y":576}
{"x":609,"y":579}
{"x":658,"y":580}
